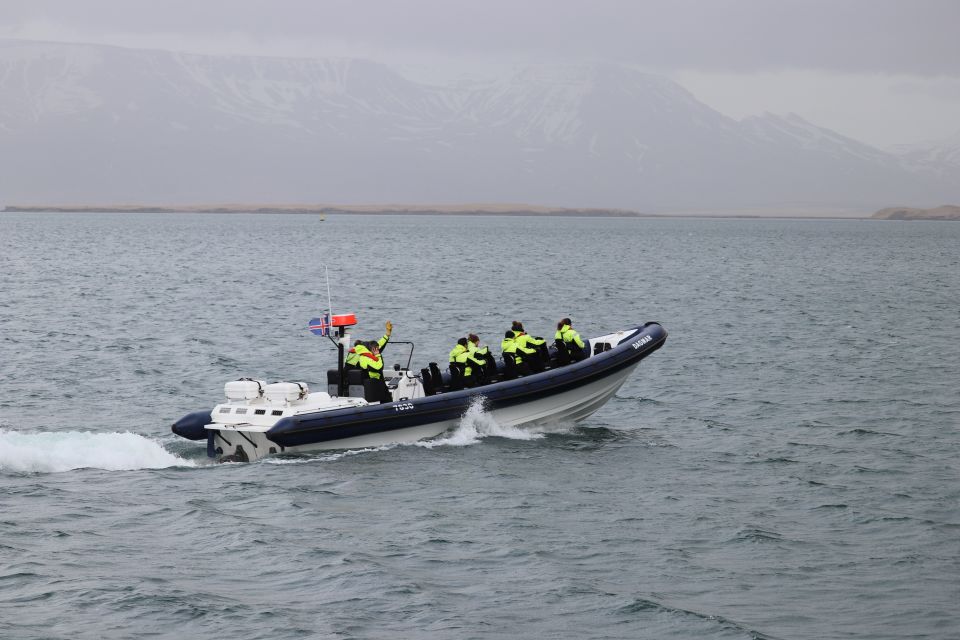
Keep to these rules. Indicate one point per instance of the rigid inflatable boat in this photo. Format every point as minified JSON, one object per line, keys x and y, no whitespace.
{"x":259,"y":419}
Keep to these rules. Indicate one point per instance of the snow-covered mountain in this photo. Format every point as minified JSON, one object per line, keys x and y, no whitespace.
{"x":85,"y":123}
{"x":940,"y":157}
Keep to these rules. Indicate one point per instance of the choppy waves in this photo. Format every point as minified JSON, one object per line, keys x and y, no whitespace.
{"x":785,"y":467}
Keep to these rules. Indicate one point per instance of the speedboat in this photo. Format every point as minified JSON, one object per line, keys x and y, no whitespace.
{"x":259,"y":419}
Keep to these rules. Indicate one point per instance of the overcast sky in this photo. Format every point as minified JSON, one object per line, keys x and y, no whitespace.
{"x":883,"y":71}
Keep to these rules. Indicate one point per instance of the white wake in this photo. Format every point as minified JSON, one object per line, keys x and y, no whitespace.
{"x":53,"y":452}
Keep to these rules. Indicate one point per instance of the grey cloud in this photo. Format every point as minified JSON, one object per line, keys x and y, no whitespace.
{"x":943,"y":89}
{"x":860,"y":36}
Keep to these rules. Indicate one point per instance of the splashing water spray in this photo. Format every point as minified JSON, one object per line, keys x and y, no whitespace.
{"x":65,"y":451}
{"x":475,"y":425}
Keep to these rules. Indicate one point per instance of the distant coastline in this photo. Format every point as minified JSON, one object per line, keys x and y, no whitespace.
{"x":478,"y":209}
{"x":945,"y":212}
{"x":415,"y":209}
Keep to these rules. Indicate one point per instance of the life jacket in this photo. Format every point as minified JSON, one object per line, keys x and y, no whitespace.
{"x":372,"y":364}
{"x":569,"y":337}
{"x":524,"y":342}
{"x":456,"y":353}
{"x":477,"y":353}
{"x":353,"y":356}
{"x":460,"y":355}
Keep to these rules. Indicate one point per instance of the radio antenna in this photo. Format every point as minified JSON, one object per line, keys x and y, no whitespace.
{"x":326,"y":272}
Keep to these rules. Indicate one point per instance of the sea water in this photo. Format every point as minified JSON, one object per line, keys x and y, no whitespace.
{"x":786,"y":466}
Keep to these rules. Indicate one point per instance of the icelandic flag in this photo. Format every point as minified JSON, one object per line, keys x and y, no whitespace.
{"x":320,"y":326}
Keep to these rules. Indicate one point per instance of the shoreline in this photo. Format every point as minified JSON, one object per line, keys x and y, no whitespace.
{"x":773,"y":213}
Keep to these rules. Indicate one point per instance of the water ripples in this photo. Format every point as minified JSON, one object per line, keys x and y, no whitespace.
{"x":784,"y":468}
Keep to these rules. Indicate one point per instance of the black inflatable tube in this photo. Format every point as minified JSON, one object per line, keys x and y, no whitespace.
{"x":191,"y":426}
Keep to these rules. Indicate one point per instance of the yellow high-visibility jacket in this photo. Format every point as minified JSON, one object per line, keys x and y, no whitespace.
{"x":372,"y":364}
{"x":569,"y":336}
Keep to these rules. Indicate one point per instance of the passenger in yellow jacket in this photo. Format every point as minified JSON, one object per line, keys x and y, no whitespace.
{"x":353,"y":356}
{"x":569,"y":338}
{"x":359,"y":348}
{"x":509,"y":343}
{"x":460,"y":355}
{"x":477,"y":355}
{"x":372,"y":365}
{"x":528,"y":347}
{"x":371,"y":362}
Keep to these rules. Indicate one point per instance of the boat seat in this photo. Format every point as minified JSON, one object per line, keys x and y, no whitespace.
{"x":427,"y":379}
{"x":375,"y":390}
{"x":544,"y":351}
{"x":333,"y":382}
{"x":510,"y":369}
{"x":456,"y":376}
{"x":355,"y":383}
{"x":577,"y":354}
{"x":499,"y":371}
{"x":487,"y":373}
{"x":436,"y":377}
{"x":533,"y":362}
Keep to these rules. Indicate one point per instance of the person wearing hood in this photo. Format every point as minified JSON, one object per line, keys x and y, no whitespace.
{"x":510,"y":356}
{"x":371,"y":362}
{"x":460,"y":361}
{"x":528,"y":347}
{"x":477,"y":356}
{"x":372,"y":366}
{"x":360,"y":348}
{"x":567,"y":338}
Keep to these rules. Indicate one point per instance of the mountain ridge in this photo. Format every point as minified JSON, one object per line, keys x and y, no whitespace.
{"x":85,"y":123}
